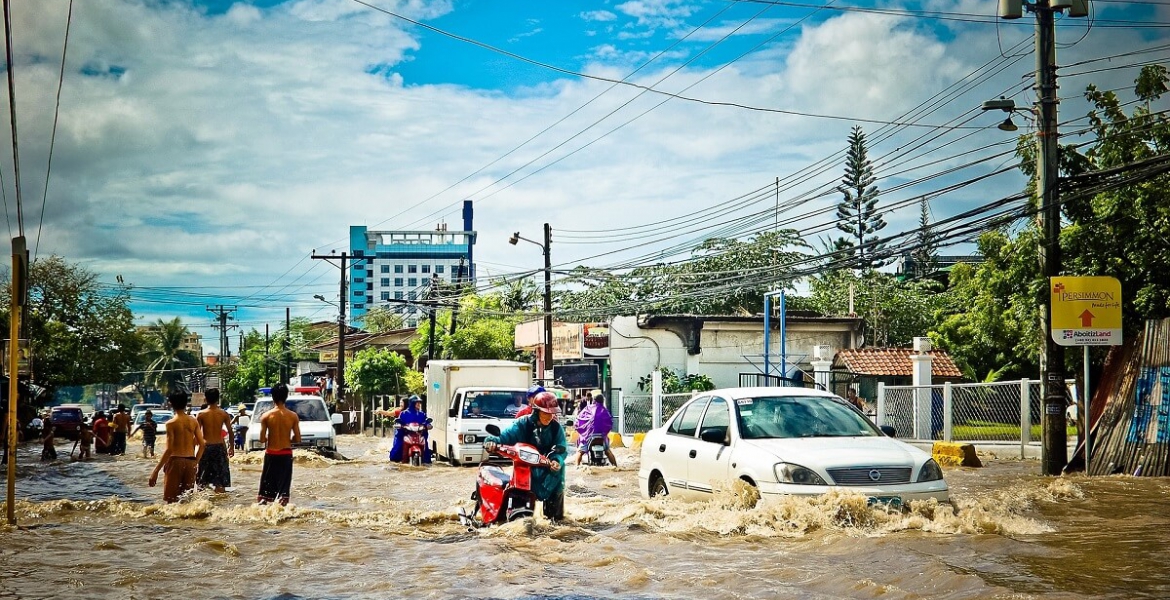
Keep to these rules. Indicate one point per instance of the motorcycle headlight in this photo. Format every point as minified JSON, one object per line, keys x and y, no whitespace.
{"x":530,"y":457}
{"x":790,"y":473}
{"x":930,"y":471}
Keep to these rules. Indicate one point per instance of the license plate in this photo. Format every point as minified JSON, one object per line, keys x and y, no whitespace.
{"x":893,"y":502}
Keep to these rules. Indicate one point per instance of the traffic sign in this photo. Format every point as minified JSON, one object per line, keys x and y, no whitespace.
{"x":1086,"y":311}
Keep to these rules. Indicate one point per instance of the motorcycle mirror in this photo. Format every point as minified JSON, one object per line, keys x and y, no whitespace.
{"x":492,"y":429}
{"x":429,"y":420}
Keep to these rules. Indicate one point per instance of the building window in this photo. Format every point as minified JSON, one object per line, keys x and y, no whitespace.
{"x":412,"y":268}
{"x":359,"y":280}
{"x":385,"y":282}
{"x":412,"y":282}
{"x":385,"y":295}
{"x":439,"y":268}
{"x":411,"y":295}
{"x":385,"y":268}
{"x":397,"y":268}
{"x":426,"y":268}
{"x":398,"y":295}
{"x":359,"y":293}
{"x":358,"y":306}
{"x":398,"y":282}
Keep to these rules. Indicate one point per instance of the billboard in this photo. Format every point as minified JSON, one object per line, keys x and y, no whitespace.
{"x":595,"y":338}
{"x":585,"y":375}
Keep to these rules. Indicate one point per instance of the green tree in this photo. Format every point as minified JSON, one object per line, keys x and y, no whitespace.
{"x":252,"y":372}
{"x":381,"y":318}
{"x":376,"y":371}
{"x":895,"y":312}
{"x":923,"y":256}
{"x":165,"y":354}
{"x":80,"y":331}
{"x":675,"y":382}
{"x":857,"y":212}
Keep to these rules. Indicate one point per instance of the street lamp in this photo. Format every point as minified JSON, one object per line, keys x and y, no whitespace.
{"x":548,"y":345}
{"x":339,"y":379}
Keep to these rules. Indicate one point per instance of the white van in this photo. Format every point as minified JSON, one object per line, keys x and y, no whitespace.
{"x":316,"y":422}
{"x":464,"y":396}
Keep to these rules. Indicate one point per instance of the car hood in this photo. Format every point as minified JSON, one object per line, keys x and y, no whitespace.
{"x":832,"y":452}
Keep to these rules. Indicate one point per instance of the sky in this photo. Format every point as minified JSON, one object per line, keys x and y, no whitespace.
{"x":204,"y":149}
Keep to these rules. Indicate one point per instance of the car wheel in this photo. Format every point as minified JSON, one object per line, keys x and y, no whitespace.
{"x":451,"y":457}
{"x":658,"y":486}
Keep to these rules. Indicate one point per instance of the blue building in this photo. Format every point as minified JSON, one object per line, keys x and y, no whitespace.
{"x":394,"y":268}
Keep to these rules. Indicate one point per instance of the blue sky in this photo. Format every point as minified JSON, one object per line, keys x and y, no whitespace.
{"x":205,"y":149}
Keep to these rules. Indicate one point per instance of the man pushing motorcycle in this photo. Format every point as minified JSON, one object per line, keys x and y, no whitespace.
{"x":542,"y":430}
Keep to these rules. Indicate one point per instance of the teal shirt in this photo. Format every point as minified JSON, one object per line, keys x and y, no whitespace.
{"x":527,"y":429}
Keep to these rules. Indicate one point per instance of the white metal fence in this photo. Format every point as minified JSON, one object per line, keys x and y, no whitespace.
{"x":964,"y":412}
{"x":639,"y":413}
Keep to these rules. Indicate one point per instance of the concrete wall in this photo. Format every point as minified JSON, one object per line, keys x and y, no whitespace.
{"x":727,"y":348}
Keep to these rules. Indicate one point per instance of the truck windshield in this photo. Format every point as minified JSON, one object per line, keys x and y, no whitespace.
{"x":307,"y":409}
{"x":499,"y":404}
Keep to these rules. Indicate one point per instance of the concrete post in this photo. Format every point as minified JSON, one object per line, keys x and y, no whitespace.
{"x":619,"y":405}
{"x":656,"y":399}
{"x":948,"y":413}
{"x":821,"y":370}
{"x":921,"y":371}
{"x":881,"y":403}
{"x":1025,"y":415}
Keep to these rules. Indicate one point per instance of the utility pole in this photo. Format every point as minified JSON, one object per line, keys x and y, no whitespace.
{"x":458,"y":280}
{"x":434,"y":309}
{"x":222,"y":314}
{"x":548,"y":321}
{"x":1055,"y":439}
{"x":17,"y":297}
{"x":285,"y":357}
{"x":339,"y":381}
{"x":265,"y":355}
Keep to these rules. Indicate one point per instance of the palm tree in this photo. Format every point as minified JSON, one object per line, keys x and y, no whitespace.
{"x":166,"y":353}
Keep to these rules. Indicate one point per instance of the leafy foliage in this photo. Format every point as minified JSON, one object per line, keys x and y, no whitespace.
{"x":895,"y":312}
{"x":376,"y":371}
{"x":678,"y":383}
{"x":857,"y":213}
{"x":166,"y":356}
{"x":252,"y":372}
{"x":382,"y":318}
{"x":79,"y":332}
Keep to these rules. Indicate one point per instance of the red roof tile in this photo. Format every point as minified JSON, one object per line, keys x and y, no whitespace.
{"x":886,"y":362}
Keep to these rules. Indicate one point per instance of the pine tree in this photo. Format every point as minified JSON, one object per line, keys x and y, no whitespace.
{"x":857,"y":212}
{"x":924,"y":255}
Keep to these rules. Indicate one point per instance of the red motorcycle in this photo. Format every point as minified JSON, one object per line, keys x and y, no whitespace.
{"x":501,"y":497}
{"x":413,"y":442}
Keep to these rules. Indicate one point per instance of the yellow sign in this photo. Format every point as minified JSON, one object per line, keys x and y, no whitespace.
{"x":1086,"y":311}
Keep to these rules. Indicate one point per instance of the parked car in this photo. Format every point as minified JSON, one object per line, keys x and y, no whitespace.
{"x":67,"y":421}
{"x":783,"y":441}
{"x":160,"y":416}
{"x":316,"y":423}
{"x":137,"y":408}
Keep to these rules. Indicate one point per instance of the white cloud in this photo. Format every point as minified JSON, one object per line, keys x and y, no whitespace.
{"x":598,"y":15}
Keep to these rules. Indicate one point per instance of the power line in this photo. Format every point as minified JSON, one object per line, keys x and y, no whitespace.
{"x":53,"y":135}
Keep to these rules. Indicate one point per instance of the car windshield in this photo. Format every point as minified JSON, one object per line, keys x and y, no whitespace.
{"x":158,"y":416}
{"x":494,"y":403}
{"x":66,"y":414}
{"x":799,"y":416}
{"x":307,"y":409}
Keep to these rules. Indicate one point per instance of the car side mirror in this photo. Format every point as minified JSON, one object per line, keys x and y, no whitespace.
{"x":713,"y":435}
{"x":452,"y":413}
{"x":337,"y":419}
{"x":492,"y":428}
{"x":889,"y":431}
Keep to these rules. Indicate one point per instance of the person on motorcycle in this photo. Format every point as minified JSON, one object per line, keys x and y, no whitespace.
{"x":412,"y":414}
{"x":594,"y":419}
{"x":527,"y":408}
{"x":542,"y":430}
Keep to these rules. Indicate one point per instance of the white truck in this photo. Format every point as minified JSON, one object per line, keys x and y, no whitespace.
{"x":464,"y":396}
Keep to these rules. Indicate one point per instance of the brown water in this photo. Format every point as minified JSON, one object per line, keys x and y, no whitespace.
{"x":364,"y":528}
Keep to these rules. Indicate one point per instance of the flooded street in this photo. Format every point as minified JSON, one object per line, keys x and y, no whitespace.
{"x":363,"y":528}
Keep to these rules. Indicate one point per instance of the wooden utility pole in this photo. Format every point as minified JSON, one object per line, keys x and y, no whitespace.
{"x":339,"y":381}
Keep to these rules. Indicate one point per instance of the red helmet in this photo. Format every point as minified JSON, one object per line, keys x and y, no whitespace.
{"x":545,"y":402}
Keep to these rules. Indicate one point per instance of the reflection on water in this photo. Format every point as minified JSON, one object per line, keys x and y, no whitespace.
{"x":365,"y":528}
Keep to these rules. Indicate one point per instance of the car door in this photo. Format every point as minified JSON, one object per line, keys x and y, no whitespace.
{"x":707,"y":468}
{"x":678,"y":446}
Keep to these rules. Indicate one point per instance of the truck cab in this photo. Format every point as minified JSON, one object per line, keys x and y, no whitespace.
{"x":467,"y":395}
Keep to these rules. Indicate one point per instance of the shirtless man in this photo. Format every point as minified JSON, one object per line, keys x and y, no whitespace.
{"x":280,"y":428}
{"x":213,"y":467}
{"x":180,"y":459}
{"x":121,"y":429}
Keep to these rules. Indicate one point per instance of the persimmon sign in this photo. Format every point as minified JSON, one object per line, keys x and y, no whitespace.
{"x":1086,"y":311}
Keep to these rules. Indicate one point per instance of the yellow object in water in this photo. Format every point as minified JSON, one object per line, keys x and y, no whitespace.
{"x":637,"y":444}
{"x":615,"y":440}
{"x":951,"y":454}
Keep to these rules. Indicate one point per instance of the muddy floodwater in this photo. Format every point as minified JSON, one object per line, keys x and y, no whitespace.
{"x":363,"y":528}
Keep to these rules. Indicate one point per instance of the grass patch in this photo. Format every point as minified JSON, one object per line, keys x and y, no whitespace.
{"x":985,"y":430}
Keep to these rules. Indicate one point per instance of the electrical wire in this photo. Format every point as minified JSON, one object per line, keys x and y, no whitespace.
{"x":53,"y":135}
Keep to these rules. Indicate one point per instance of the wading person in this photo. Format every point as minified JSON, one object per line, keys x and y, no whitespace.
{"x":542,"y":430}
{"x":101,"y":433}
{"x":149,"y":431}
{"x":121,"y":429}
{"x":184,"y":447}
{"x":213,"y":466}
{"x":49,"y":444}
{"x":85,"y":441}
{"x":280,"y":428}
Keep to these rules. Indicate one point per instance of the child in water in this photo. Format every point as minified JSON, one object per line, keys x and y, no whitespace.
{"x":49,"y":441}
{"x":85,"y":438}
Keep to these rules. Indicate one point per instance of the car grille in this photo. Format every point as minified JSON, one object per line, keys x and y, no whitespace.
{"x":863,"y":475}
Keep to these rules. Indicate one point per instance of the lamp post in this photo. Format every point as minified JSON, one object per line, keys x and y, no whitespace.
{"x":339,"y":381}
{"x":548,"y":345}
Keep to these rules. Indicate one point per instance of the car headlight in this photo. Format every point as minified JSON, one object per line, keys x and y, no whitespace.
{"x":930,"y":471}
{"x":790,"y":473}
{"x":469,"y":438}
{"x":323,"y":442}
